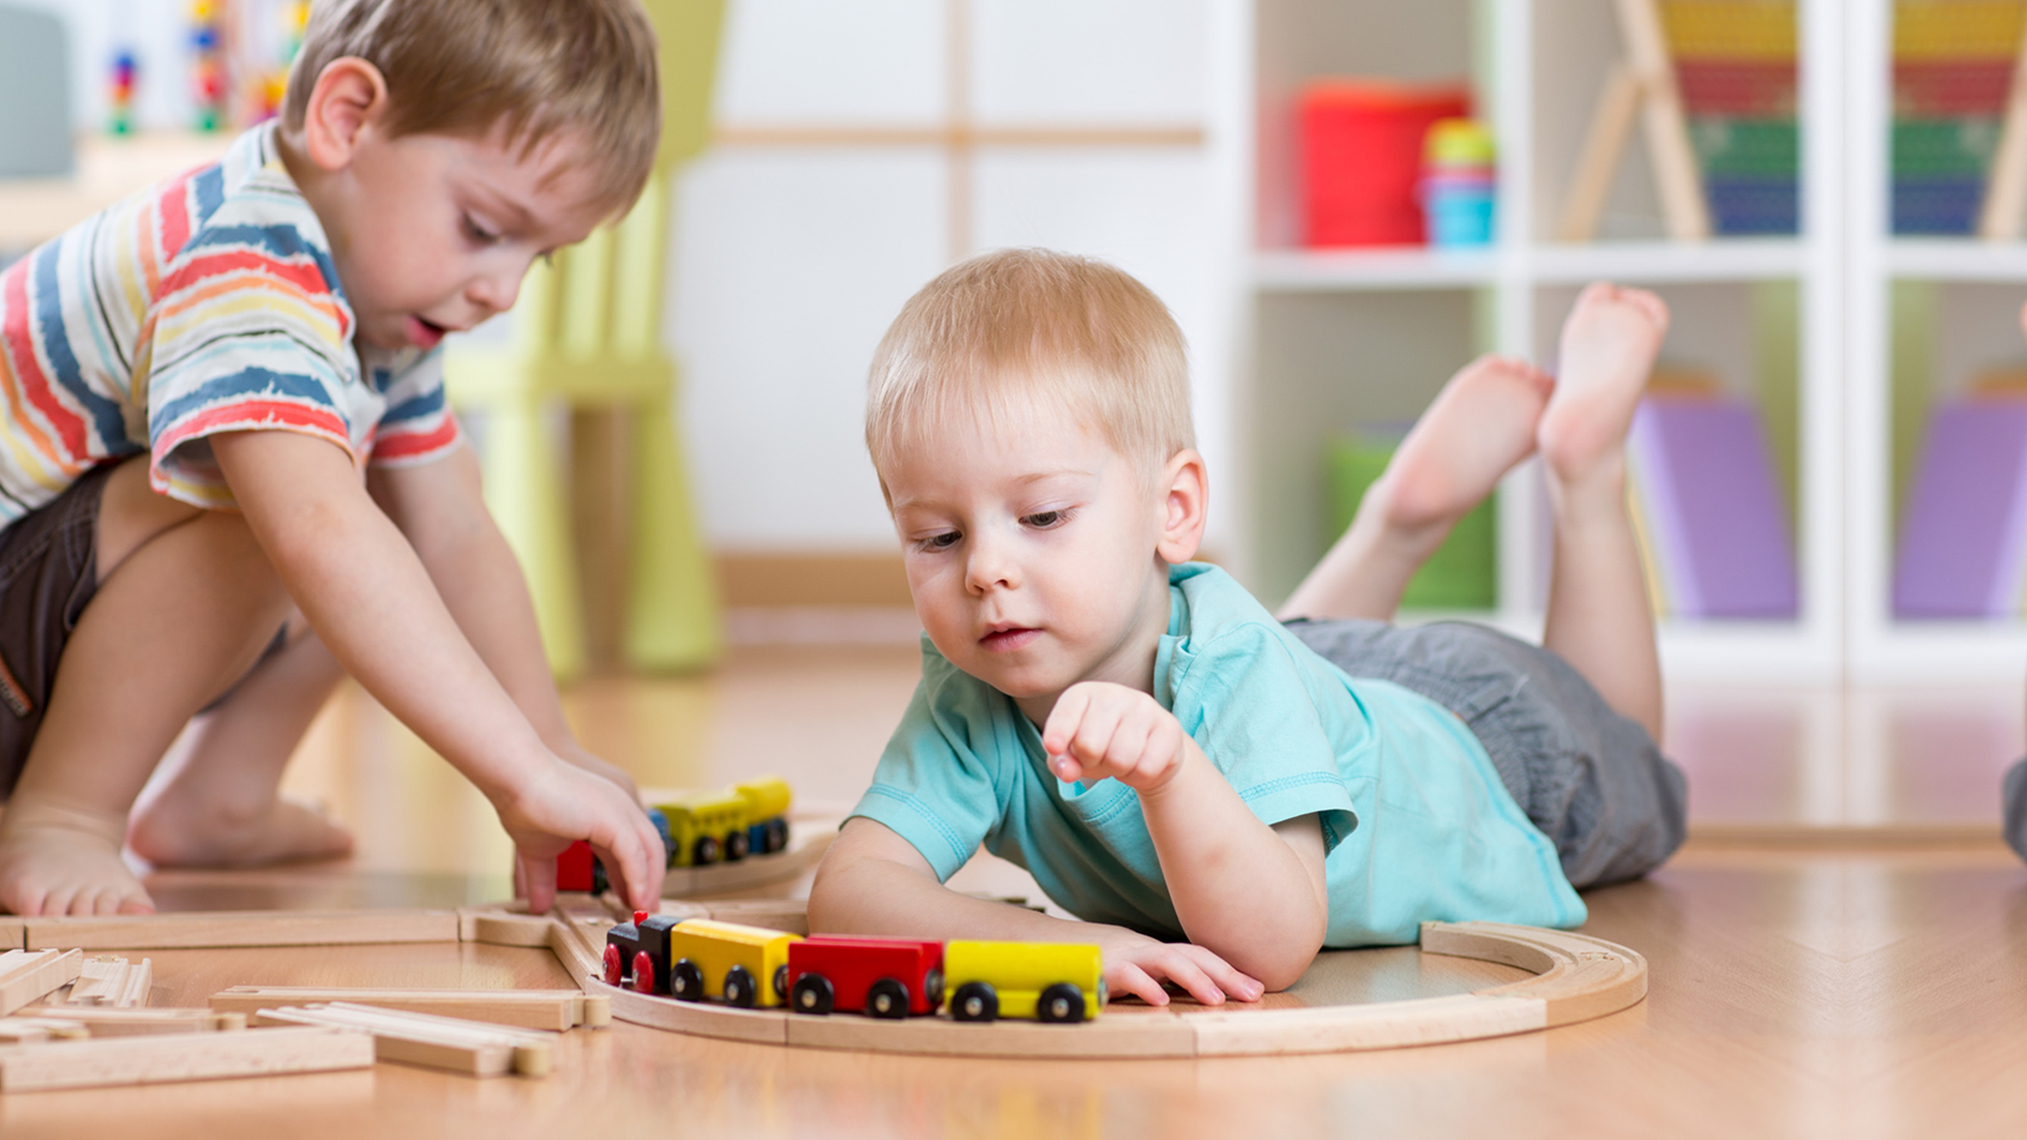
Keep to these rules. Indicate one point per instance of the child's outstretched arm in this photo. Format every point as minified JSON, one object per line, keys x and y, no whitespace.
{"x":1253,"y":894}
{"x":872,"y":881}
{"x":368,"y":595}
{"x":440,"y":509}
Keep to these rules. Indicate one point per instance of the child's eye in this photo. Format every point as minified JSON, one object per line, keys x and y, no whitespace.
{"x":943,"y":541}
{"x":1046,"y":520}
{"x":479,"y":233}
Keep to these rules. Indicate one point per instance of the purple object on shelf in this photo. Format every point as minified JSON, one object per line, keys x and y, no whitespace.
{"x":1713,"y":510}
{"x":1960,"y":541}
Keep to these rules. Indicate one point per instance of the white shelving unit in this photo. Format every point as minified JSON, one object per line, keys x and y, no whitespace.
{"x":1328,"y":340}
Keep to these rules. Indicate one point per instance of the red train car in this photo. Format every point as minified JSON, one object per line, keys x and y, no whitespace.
{"x":885,"y":977}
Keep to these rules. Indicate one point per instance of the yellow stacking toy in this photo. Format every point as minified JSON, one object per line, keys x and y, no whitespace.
{"x":588,"y":335}
{"x":1046,"y":981}
{"x":741,"y":965}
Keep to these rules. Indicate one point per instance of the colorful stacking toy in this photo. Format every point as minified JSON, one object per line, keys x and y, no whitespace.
{"x":1735,"y":62}
{"x":1952,"y":71}
{"x":1459,"y":183}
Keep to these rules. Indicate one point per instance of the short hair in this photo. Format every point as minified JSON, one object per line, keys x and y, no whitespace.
{"x":1018,"y":327}
{"x":464,"y":67}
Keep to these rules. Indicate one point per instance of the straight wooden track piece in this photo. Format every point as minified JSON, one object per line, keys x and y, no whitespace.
{"x":182,"y":1057}
{"x":554,"y":1010}
{"x":109,"y":1021}
{"x":498,"y":929}
{"x":475,"y":1047}
{"x":2006,"y":186}
{"x":575,"y":950}
{"x":21,"y":1030}
{"x":219,"y":929}
{"x":30,"y":975}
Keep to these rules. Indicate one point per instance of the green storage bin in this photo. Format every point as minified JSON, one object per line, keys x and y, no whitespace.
{"x":1464,"y":572}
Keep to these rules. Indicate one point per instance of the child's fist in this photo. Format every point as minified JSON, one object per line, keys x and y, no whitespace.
{"x":1099,"y":729}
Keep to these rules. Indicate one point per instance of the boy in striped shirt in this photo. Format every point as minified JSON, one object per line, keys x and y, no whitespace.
{"x":228,"y":474}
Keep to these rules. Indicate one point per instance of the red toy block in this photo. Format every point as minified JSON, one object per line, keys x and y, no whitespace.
{"x":1362,"y":159}
{"x":573,"y":867}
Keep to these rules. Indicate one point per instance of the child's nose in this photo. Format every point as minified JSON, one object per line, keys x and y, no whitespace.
{"x":494,"y":292}
{"x":990,"y":567}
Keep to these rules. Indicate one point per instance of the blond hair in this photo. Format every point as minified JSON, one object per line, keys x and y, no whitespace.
{"x":1009,"y":330}
{"x":465,"y":67}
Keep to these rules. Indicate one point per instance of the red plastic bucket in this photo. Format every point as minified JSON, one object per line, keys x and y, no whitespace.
{"x":1362,"y":159}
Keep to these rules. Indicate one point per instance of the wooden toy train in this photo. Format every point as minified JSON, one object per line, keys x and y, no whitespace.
{"x":699,"y":830}
{"x":749,"y":966}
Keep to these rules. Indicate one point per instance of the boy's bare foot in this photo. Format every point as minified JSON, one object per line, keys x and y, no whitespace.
{"x":170,"y":834}
{"x":1608,"y":348}
{"x":56,"y":861}
{"x":1481,"y":424}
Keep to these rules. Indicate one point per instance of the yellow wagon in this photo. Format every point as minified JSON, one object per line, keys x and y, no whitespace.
{"x":706,"y":828}
{"x":742,"y":965}
{"x":1044,"y":980}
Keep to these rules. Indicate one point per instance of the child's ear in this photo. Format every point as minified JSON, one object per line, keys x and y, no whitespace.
{"x":350,"y":96}
{"x":1185,"y":505}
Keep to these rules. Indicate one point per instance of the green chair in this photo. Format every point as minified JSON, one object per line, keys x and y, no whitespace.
{"x":588,"y":335}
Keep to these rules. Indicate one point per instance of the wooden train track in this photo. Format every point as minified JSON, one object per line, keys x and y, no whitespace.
{"x":1576,"y":978}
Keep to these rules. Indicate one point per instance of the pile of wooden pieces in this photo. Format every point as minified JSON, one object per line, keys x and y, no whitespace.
{"x":555,"y":1010}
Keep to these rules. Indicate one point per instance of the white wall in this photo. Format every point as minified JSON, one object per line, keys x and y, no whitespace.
{"x":791,"y":262}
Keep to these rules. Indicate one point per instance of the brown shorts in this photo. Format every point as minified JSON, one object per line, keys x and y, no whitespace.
{"x":48,"y":574}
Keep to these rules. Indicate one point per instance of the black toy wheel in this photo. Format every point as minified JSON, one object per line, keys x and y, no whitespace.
{"x":686,"y":981}
{"x":643,"y":972}
{"x":812,"y":993}
{"x":777,"y":835}
{"x":615,"y":965}
{"x":887,"y":998}
{"x":740,"y":988}
{"x":705,"y":852}
{"x":932,"y":988}
{"x":1060,"y":1003}
{"x":781,"y":981}
{"x":735,"y":846}
{"x":974,"y":1001}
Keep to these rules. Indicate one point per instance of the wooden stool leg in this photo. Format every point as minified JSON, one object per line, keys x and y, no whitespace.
{"x":672,"y":616}
{"x":524,"y":492}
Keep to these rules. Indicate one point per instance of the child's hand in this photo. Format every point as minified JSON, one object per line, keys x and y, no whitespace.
{"x":567,"y":803}
{"x":1136,"y":964}
{"x":1100,"y":729}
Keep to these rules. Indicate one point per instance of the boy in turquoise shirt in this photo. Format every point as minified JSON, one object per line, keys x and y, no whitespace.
{"x":1217,"y":793}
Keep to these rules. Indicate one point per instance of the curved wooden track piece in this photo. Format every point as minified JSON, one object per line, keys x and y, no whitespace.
{"x":1577,"y":978}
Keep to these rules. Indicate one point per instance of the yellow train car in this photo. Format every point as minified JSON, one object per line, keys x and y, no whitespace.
{"x":767,"y":799}
{"x":740,"y":965}
{"x":1047,"y":981}
{"x":706,"y":828}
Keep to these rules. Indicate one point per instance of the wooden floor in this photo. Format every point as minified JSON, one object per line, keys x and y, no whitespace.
{"x":1832,"y":983}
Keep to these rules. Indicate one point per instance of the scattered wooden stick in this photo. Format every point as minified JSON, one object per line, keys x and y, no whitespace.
{"x":108,"y":1021}
{"x":28,"y":975}
{"x":240,"y":928}
{"x":526,"y":1009}
{"x":474,"y":1047}
{"x":182,"y":1057}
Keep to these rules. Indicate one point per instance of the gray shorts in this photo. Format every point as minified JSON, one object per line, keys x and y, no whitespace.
{"x":1593,"y":781}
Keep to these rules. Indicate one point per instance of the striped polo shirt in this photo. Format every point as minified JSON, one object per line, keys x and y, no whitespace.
{"x":208,"y":303}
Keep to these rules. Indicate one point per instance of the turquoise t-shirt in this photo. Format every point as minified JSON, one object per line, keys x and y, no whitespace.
{"x":1416,"y":823}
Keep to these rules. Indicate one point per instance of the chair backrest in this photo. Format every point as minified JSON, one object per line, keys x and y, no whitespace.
{"x":603,"y":299}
